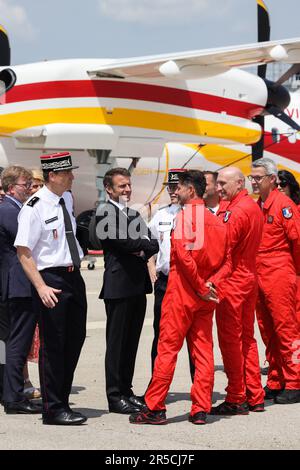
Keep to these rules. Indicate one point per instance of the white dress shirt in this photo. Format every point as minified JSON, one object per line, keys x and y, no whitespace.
{"x":161,"y":226}
{"x":42,"y":229}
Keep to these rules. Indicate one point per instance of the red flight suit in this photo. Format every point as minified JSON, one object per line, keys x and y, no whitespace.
{"x":298,"y":293}
{"x":184,"y":313}
{"x":235,"y":315}
{"x":278,"y":261}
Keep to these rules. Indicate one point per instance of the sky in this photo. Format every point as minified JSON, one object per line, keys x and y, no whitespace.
{"x":58,"y":29}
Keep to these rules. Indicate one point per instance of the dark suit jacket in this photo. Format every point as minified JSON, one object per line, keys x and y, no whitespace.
{"x":122,"y":235}
{"x":14,"y":282}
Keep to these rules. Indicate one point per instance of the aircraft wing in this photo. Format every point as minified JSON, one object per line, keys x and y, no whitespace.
{"x":206,"y":62}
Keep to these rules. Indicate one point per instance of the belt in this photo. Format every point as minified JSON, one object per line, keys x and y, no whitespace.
{"x":61,"y":269}
{"x":162,"y":275}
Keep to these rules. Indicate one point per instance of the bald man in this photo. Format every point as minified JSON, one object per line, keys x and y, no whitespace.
{"x":237,"y":281}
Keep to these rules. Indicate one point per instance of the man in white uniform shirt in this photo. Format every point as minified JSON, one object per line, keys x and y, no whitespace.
{"x":161,"y":226}
{"x":50,"y":256}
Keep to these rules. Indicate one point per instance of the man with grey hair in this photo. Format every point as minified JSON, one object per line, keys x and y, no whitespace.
{"x":237,"y":281}
{"x":278,"y":262}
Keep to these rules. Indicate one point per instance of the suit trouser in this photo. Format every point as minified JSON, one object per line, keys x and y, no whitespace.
{"x":22,"y":323}
{"x":62,"y":334}
{"x":160,"y":288}
{"x":4,"y":332}
{"x":125,"y":318}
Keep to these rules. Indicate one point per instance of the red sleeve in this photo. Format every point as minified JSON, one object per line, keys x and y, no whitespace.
{"x":291,"y":225}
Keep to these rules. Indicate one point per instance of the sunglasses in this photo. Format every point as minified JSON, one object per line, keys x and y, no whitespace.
{"x":283,"y":184}
{"x":35,"y":186}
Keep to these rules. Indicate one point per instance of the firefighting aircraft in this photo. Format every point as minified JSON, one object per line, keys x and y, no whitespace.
{"x":118,"y":108}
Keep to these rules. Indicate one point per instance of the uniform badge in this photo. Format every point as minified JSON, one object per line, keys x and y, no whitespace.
{"x":161,"y":236}
{"x":270,"y":219}
{"x":32,"y":201}
{"x":55,"y":235}
{"x":227,"y":216}
{"x":287,"y":212}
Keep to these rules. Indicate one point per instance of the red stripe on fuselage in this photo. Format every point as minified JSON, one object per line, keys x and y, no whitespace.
{"x":131,"y":91}
{"x":284,"y":148}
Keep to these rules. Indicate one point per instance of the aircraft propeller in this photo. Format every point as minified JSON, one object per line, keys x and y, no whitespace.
{"x":278,"y":95}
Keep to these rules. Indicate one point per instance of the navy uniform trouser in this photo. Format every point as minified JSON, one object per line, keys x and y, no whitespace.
{"x":22,"y":323}
{"x":62,"y":334}
{"x":4,"y":332}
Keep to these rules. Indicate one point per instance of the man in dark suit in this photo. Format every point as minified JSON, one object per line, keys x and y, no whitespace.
{"x":127,"y":246}
{"x":16,"y":291}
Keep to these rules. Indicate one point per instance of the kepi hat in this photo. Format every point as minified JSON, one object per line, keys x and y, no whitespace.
{"x":173,"y":175}
{"x":57,"y":162}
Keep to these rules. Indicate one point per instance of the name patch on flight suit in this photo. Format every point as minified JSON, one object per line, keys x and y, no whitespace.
{"x":270,"y":219}
{"x":227,"y":216}
{"x":287,"y":212}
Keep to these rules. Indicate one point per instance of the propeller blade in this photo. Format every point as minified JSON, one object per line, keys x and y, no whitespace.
{"x":263,"y":32}
{"x":295,"y":68}
{"x":258,"y":148}
{"x":277,"y":112}
{"x":4,"y":47}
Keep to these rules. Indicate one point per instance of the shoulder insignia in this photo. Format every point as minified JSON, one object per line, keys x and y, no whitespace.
{"x":287,"y":212}
{"x":164,"y":207}
{"x":32,"y":201}
{"x":227,"y":216}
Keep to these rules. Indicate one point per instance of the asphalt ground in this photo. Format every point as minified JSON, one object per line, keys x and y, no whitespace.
{"x":277,"y":428}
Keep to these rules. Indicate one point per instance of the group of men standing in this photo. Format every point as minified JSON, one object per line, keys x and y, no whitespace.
{"x":218,"y":250}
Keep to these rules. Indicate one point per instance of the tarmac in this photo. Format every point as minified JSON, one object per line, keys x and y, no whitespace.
{"x":277,"y":428}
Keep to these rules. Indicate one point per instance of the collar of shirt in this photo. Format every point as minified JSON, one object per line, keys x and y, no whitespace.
{"x":118,"y":204}
{"x":15,"y":200}
{"x":47,"y":195}
{"x":270,"y":199}
{"x":174,"y":208}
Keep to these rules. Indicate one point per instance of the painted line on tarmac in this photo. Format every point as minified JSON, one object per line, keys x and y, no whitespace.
{"x":101,"y":325}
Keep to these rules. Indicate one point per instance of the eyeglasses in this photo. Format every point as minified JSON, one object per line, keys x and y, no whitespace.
{"x":171,"y":188}
{"x":35,"y":186}
{"x":257,"y":179}
{"x":25,"y":185}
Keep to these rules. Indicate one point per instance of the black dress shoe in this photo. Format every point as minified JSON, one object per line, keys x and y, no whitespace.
{"x":287,"y":397}
{"x":65,"y":418}
{"x":122,"y":406}
{"x":136,"y":401}
{"x":22,"y":407}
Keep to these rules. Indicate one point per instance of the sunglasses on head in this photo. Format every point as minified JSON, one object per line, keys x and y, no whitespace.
{"x":283,"y":184}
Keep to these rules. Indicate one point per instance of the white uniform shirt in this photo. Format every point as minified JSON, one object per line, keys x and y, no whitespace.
{"x":42,"y":229}
{"x":161,"y":225}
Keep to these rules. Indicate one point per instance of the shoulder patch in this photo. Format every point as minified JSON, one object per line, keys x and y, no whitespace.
{"x":287,"y":212}
{"x":227,"y":216}
{"x":164,"y":207}
{"x":33,"y":201}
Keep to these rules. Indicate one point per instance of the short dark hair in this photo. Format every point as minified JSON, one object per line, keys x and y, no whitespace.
{"x":194,"y":178}
{"x":108,"y":177}
{"x":214,"y":174}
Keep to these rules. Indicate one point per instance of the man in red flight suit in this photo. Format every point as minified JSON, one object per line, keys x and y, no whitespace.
{"x":278,"y":262}
{"x":198,"y":244}
{"x":211,"y":197}
{"x":237,"y":281}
